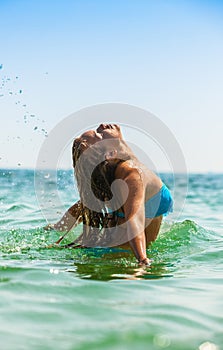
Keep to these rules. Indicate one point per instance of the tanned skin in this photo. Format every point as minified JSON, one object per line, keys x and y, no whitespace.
{"x":142,"y":184}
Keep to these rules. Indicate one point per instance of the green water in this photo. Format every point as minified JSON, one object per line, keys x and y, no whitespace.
{"x":100,"y":298}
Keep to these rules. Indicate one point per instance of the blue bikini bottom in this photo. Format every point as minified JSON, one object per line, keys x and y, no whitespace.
{"x":159,"y":204}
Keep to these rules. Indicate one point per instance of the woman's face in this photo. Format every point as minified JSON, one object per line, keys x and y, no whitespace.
{"x":91,"y":137}
{"x":109,"y":131}
{"x":103,"y":132}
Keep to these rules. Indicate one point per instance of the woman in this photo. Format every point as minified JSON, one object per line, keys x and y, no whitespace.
{"x":122,"y":202}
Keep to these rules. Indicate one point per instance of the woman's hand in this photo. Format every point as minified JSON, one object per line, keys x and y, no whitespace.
{"x":145,"y":262}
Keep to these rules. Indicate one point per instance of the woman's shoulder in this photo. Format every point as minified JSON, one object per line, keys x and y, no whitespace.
{"x":127,"y":168}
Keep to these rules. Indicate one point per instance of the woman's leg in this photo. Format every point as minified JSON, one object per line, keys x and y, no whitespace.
{"x":152,"y":229}
{"x":151,"y":232}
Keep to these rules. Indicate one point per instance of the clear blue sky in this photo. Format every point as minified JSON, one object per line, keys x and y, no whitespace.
{"x":60,"y":56}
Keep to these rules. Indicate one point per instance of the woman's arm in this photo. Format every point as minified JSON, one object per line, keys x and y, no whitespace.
{"x":71,"y":218}
{"x":134,"y":210}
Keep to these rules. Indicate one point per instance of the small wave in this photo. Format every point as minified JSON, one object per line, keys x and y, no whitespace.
{"x":183,"y":242}
{"x":16,"y":207}
{"x":185,"y":231}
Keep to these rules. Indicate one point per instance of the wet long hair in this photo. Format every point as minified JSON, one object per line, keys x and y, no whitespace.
{"x":94,"y":179}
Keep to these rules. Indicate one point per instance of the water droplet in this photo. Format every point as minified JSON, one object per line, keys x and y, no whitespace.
{"x":161,"y":340}
{"x":1,"y":66}
{"x":36,"y":127}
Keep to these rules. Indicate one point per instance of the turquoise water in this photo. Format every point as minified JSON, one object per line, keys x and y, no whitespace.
{"x":99,"y":298}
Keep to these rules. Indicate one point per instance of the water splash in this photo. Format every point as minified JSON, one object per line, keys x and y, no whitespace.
{"x":9,"y":88}
{"x":171,"y":254}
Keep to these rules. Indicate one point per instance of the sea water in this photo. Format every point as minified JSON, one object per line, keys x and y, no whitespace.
{"x":100,"y":298}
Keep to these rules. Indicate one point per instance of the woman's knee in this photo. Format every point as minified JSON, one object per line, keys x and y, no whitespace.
{"x":152,"y":229}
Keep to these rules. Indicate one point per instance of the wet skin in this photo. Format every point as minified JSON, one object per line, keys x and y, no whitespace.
{"x":142,"y":184}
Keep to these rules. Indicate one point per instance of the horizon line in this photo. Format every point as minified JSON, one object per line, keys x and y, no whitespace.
{"x":69,"y":169}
